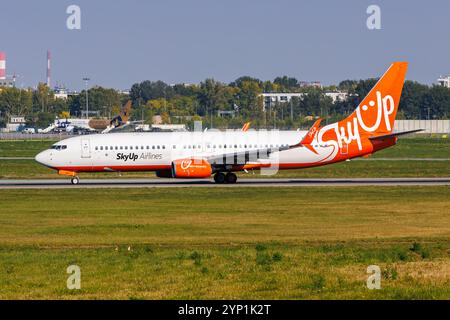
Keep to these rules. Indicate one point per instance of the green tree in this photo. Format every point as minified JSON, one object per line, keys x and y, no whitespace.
{"x":14,"y":101}
{"x":42,"y":98}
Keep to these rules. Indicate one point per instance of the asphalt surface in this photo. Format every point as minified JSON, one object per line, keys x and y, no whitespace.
{"x":256,"y":182}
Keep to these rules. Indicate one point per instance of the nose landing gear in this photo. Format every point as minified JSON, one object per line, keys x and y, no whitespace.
{"x":75,"y":180}
{"x":220,"y":177}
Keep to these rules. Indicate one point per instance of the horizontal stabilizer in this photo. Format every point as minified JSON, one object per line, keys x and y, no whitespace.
{"x":386,"y":136}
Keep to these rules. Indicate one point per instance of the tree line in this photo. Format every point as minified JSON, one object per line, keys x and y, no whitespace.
{"x":185,"y":103}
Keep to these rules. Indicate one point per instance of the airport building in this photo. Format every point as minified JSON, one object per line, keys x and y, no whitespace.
{"x":272,"y":99}
{"x":15,"y":124}
{"x":444,"y":81}
{"x":61,"y":93}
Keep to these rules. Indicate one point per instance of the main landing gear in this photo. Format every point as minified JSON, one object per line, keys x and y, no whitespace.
{"x":221,"y":177}
{"x":75,"y":180}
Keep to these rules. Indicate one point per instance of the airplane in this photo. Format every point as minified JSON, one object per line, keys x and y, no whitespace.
{"x":202,"y":154}
{"x":92,"y":125}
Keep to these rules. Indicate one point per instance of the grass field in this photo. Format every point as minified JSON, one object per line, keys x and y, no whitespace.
{"x":226,"y":243}
{"x":406,"y":148}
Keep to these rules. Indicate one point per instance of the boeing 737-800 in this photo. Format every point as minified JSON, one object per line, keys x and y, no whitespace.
{"x":203,"y":154}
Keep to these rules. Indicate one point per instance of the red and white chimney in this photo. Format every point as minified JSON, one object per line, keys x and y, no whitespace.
{"x":2,"y":65}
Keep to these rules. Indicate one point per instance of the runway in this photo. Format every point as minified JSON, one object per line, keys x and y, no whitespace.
{"x":256,"y":182}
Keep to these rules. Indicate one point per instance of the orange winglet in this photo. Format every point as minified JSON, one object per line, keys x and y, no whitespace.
{"x":246,"y":126}
{"x":67,"y":173}
{"x":311,"y":133}
{"x":309,"y":137}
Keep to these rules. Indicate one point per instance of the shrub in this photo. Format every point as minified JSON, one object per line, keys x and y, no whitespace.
{"x":416,"y":247}
{"x":260,"y":247}
{"x":263,"y":259}
{"x":277,"y":256}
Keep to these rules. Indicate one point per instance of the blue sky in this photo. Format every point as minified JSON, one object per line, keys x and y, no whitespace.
{"x":123,"y":42}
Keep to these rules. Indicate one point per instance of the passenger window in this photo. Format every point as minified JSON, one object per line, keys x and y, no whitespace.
{"x":153,"y":147}
{"x":163,"y":147}
{"x":121,"y":147}
{"x":174,"y":147}
{"x":96,"y":148}
{"x":101,"y":148}
{"x":106,"y":148}
{"x":126,"y":147}
{"x":157,"y":147}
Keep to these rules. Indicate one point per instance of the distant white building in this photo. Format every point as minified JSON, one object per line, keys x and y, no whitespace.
{"x":15,"y":123}
{"x":124,"y":92}
{"x":337,"y":95}
{"x":61,"y":93}
{"x":314,"y":84}
{"x":7,"y":83}
{"x":271,"y":99}
{"x":444,"y":81}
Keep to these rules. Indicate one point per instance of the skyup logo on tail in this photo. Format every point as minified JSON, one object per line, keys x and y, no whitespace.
{"x":374,"y":116}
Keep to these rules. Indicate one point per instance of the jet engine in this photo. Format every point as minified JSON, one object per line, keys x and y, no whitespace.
{"x":191,"y":168}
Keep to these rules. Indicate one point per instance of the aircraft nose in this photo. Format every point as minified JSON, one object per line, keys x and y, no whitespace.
{"x":42,"y":158}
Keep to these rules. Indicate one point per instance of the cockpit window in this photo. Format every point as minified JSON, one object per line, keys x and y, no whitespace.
{"x":59,"y":147}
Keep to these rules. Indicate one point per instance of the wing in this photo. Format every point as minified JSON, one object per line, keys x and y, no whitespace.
{"x":253,"y":155}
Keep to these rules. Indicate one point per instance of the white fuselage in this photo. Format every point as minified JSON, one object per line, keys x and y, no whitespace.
{"x":156,"y":150}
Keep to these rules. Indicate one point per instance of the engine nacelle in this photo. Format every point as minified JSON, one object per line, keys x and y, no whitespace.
{"x":191,"y":168}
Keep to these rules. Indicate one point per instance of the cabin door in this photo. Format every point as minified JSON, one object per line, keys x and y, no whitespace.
{"x":85,"y":148}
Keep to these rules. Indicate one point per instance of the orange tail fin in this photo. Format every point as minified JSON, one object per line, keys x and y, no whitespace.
{"x":375,"y":116}
{"x":376,"y":112}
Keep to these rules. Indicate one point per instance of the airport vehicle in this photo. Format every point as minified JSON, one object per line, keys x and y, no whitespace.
{"x":222,"y":153}
{"x":29,"y":130}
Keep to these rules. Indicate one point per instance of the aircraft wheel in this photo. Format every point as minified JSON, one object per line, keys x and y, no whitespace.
{"x":230,"y":177}
{"x":75,"y":180}
{"x":219,"y":177}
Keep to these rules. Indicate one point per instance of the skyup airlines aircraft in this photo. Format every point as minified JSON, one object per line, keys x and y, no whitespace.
{"x":203,"y":154}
